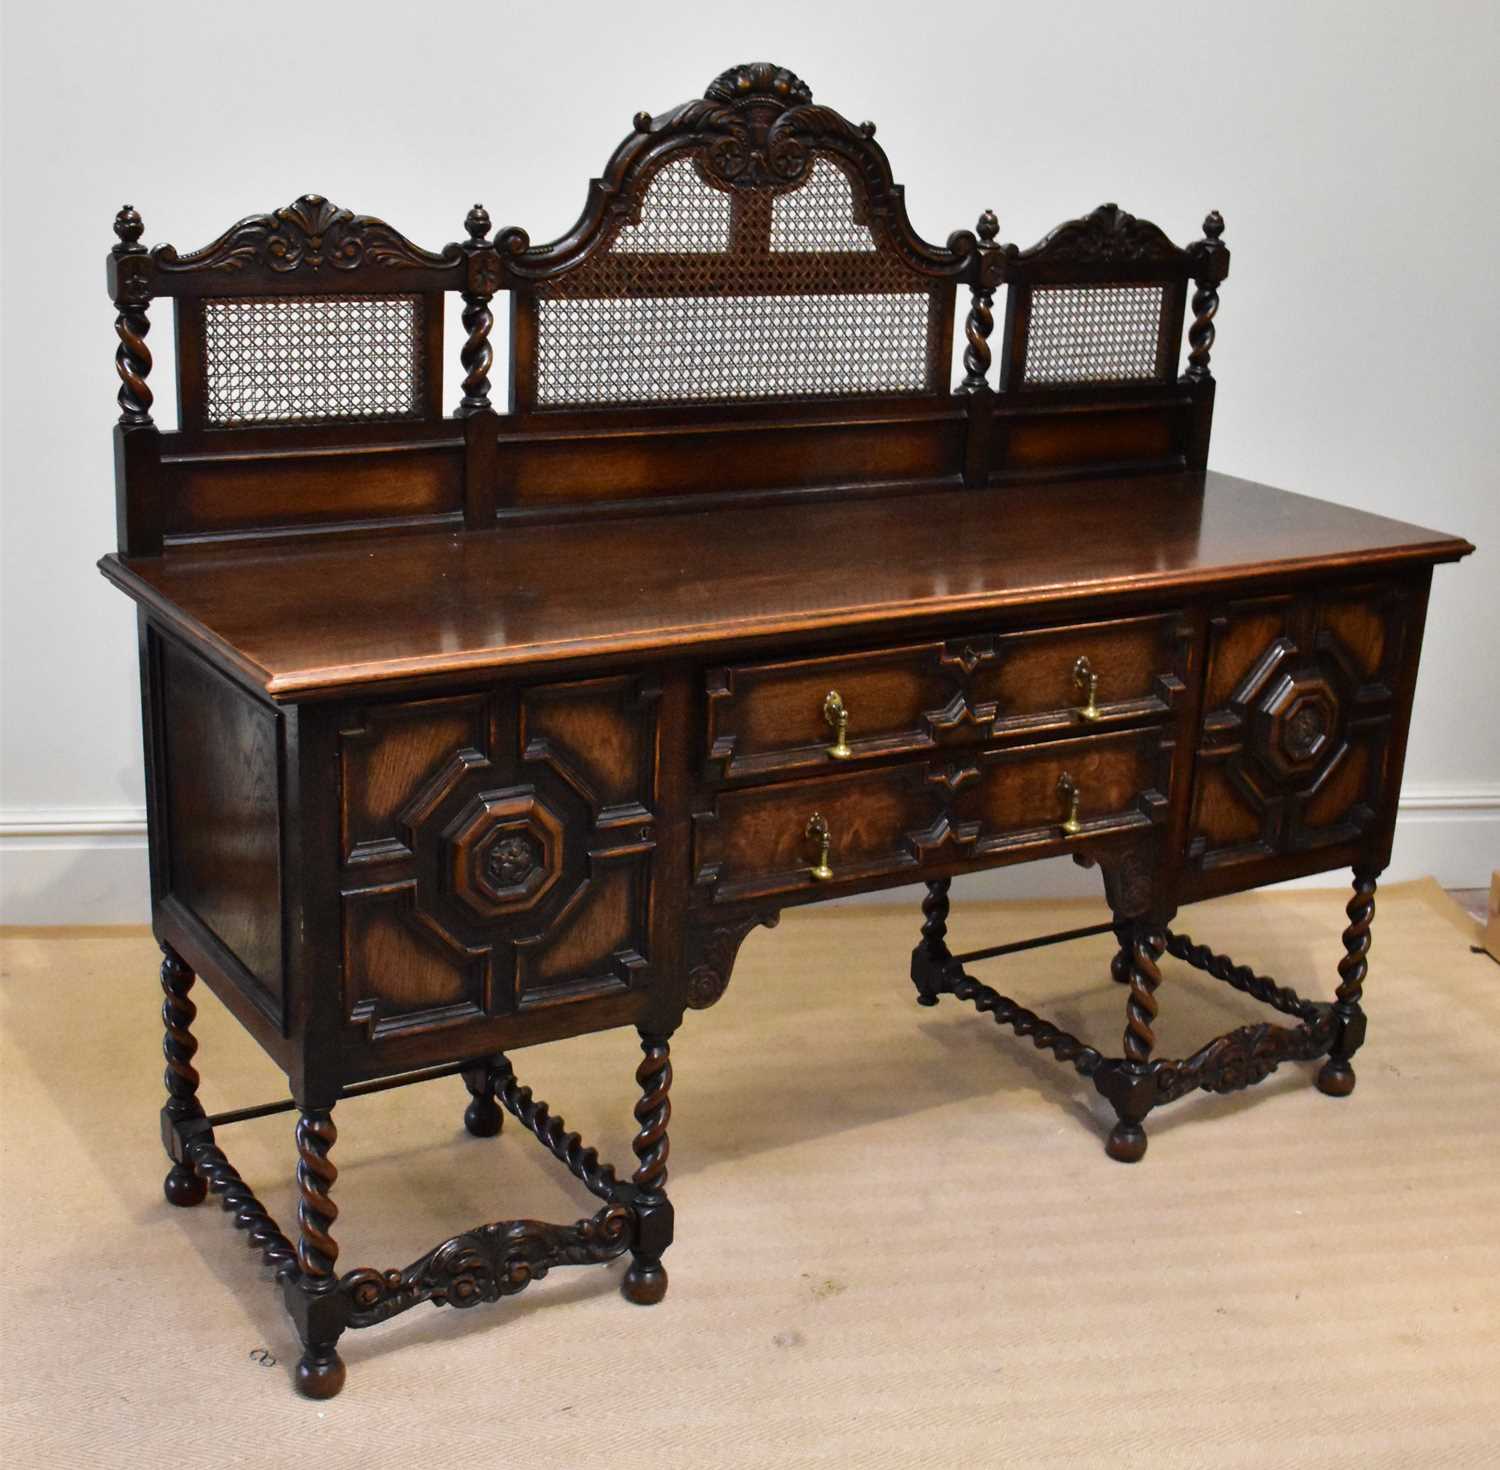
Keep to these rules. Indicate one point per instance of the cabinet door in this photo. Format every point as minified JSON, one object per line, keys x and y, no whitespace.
{"x":1302,"y":711}
{"x":497,"y":851}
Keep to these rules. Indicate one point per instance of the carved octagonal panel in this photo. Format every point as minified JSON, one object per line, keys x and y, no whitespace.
{"x":505,"y":851}
{"x":1297,"y":720}
{"x":498,"y":851}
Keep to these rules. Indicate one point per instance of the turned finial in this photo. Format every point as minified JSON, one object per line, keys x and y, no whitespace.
{"x":128,"y":226}
{"x":980,"y":321}
{"x":477,"y":223}
{"x":1208,"y":264}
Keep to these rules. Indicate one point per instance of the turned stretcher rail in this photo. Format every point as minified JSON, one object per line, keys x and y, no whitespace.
{"x":1018,"y":946}
{"x":359,"y":1089}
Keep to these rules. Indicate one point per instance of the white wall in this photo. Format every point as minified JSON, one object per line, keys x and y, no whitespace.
{"x":1352,"y":149}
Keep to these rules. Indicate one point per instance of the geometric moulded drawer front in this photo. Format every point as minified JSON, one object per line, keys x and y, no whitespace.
{"x":943,"y":694}
{"x":988,"y":806}
{"x":1297,"y":723}
{"x":497,"y":851}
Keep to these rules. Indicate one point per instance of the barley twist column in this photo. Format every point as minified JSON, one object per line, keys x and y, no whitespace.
{"x":646,"y":1281}
{"x":1337,"y":1075}
{"x":182,"y":1186}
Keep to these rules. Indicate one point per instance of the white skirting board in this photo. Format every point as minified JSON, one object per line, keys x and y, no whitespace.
{"x":77,"y":866}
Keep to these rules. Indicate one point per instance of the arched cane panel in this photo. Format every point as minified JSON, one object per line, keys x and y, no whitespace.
{"x":717,"y":293}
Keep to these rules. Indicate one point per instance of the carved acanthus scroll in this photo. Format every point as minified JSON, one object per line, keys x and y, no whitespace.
{"x":306,"y":235}
{"x":711,"y":956}
{"x":486,"y":1264}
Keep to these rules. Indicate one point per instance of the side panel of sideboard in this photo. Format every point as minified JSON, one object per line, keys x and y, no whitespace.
{"x":216,"y":794}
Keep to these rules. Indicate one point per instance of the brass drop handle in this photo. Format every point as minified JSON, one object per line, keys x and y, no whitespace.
{"x":817,"y":830}
{"x":1067,"y":788}
{"x":837,"y":716}
{"x":1088,"y":683}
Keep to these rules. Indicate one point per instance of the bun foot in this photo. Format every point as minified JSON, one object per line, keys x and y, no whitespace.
{"x":1126,"y":1143}
{"x":183,"y":1187}
{"x":1336,"y":1079}
{"x":645,"y":1283}
{"x":483,"y":1117}
{"x":320,"y":1373}
{"x":927,"y":1000}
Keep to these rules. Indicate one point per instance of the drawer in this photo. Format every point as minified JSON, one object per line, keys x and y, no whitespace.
{"x":767,"y":718}
{"x":983,"y":806}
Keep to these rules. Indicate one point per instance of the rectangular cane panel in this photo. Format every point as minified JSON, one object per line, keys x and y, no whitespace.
{"x":1095,"y":334}
{"x":311,"y":359}
{"x":711,"y":347}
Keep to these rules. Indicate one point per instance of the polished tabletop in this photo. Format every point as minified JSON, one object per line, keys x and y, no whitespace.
{"x":299,"y":617}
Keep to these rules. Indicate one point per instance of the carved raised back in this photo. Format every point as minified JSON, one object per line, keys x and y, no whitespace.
{"x":1099,"y":301}
{"x":746,"y":246}
{"x":742,"y":310}
{"x":309,"y":315}
{"x":309,"y":376}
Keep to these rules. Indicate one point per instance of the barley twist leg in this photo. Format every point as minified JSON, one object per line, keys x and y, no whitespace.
{"x":930,"y":958}
{"x":182,"y":1186}
{"x":1337,"y":1075}
{"x":1127,"y":1140}
{"x":646,"y":1281}
{"x":320,"y":1373}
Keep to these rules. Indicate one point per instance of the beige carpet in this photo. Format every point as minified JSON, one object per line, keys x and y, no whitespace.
{"x":899,"y":1240}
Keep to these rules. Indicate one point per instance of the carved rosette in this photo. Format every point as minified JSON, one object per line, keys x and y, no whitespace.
{"x":509,"y":861}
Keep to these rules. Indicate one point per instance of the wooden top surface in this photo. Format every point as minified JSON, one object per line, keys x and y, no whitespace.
{"x":320,"y":615}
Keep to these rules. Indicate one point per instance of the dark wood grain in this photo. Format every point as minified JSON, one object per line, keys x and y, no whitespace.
{"x":469,"y":733}
{"x":221,"y":780}
{"x":306,"y":619}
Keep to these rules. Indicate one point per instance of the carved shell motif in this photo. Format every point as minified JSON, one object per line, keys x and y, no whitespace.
{"x":1108,"y":235}
{"x":762,"y":79}
{"x":307,"y":234}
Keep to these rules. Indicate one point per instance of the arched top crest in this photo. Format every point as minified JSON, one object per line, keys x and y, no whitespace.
{"x":755,"y":132}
